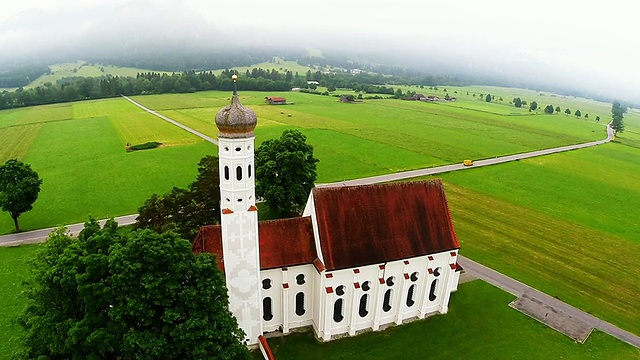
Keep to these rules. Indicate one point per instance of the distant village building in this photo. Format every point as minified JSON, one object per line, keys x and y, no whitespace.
{"x":312,"y":82}
{"x":356,"y":71}
{"x":432,"y":98}
{"x":275,"y":100}
{"x":358,"y":258}
{"x":295,"y":89}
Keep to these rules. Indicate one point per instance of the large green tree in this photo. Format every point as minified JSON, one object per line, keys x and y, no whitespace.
{"x":185,"y":210}
{"x":117,"y":294}
{"x":533,"y":106}
{"x":285,"y":171}
{"x":19,"y":188}
{"x":617,"y":117}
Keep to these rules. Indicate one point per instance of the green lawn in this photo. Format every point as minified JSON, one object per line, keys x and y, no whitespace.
{"x":80,"y":154}
{"x":479,"y":325}
{"x":13,"y":270}
{"x":566,"y":224}
{"x":381,"y":136}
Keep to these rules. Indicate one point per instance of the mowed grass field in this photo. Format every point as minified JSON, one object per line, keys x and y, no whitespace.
{"x":479,"y":325}
{"x":567,"y":224}
{"x":78,"y":149}
{"x":382,"y":136}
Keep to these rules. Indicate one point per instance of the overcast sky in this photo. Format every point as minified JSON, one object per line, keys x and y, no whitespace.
{"x":594,"y":43}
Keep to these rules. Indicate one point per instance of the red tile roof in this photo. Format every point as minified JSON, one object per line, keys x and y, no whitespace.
{"x":363,"y":225}
{"x":284,"y":242}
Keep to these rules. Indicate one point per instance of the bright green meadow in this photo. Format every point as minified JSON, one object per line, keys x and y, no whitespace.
{"x":479,"y":325}
{"x":566,"y":224}
{"x":79,"y":152}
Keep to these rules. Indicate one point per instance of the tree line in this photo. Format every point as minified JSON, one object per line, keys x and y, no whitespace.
{"x":257,"y":79}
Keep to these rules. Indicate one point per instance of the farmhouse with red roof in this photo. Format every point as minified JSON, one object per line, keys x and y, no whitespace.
{"x":358,"y":258}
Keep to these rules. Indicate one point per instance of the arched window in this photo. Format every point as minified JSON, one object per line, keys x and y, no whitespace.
{"x":267,"y":311}
{"x":362,"y":311}
{"x":337,"y":310}
{"x":300,"y":279}
{"x":300,"y":303}
{"x":238,"y":149}
{"x":249,"y":171}
{"x":340,"y":290}
{"x":366,"y":286}
{"x":386,"y":304}
{"x":239,"y":173}
{"x":414,"y":277}
{"x":411,"y":295}
{"x":226,"y":172}
{"x":432,"y":291}
{"x":266,"y":284}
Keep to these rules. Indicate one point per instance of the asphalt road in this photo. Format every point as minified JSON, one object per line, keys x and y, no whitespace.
{"x":37,"y":236}
{"x":456,"y":167}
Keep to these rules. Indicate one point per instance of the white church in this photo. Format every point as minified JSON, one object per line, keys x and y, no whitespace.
{"x":359,"y":258}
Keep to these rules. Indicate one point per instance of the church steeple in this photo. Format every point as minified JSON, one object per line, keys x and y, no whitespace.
{"x":239,"y":218}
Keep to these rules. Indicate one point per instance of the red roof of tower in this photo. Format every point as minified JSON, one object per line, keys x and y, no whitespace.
{"x":284,"y":242}
{"x":363,"y":225}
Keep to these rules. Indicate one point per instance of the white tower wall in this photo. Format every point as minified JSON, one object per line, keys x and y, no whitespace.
{"x":240,"y":244}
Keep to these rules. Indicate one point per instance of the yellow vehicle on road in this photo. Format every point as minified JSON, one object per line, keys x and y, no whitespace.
{"x":467,"y":162}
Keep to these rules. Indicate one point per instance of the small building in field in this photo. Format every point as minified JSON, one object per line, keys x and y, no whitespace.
{"x":275,"y":100}
{"x":312,"y":82}
{"x":359,"y":257}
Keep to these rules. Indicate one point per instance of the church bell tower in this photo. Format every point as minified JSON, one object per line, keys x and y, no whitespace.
{"x":239,"y":218}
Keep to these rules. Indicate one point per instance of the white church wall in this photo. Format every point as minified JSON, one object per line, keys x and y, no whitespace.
{"x":381,"y":309}
{"x":300,"y":295}
{"x":282,"y":295}
{"x":271,"y":283}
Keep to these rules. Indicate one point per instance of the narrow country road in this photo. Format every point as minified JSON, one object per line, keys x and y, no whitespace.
{"x":454,"y":167}
{"x":194,"y":132}
{"x":477,"y":270}
{"x":36,"y":236}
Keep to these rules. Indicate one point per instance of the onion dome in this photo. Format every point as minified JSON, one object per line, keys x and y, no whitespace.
{"x":236,"y":120}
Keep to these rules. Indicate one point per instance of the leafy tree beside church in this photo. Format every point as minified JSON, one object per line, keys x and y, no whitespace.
{"x":185,"y":210}
{"x":118,"y":294}
{"x":285,"y":171}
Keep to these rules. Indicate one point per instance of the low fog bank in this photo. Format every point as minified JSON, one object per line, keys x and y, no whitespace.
{"x":194,"y":35}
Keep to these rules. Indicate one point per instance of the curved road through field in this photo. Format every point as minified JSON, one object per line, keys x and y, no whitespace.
{"x":477,"y":270}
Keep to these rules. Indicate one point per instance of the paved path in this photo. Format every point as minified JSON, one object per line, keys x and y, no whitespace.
{"x":519,"y":289}
{"x":194,"y":132}
{"x":36,"y":236}
{"x":454,"y":167}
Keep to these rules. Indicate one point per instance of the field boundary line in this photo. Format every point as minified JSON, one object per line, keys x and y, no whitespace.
{"x":184,"y":127}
